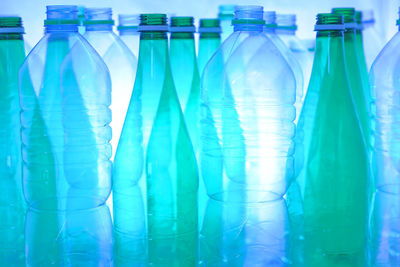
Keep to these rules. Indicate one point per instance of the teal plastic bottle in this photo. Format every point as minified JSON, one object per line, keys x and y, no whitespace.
{"x":209,"y":41}
{"x":65,"y":94}
{"x":156,"y":154}
{"x":332,"y":158}
{"x":12,"y":202}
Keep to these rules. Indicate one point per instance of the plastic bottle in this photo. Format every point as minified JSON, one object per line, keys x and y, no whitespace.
{"x":354,"y":64}
{"x":119,"y":60}
{"x":286,"y":28}
{"x":270,"y":28}
{"x":65,"y":93}
{"x":332,"y":158}
{"x":226,"y":15}
{"x":210,"y":40}
{"x":248,"y":95}
{"x":80,"y":238}
{"x":385,"y":88}
{"x":373,"y":42}
{"x":128,"y":31}
{"x":12,"y":202}
{"x":156,"y":154}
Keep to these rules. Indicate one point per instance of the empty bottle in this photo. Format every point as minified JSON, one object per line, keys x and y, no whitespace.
{"x":247,"y":129}
{"x":358,"y":85}
{"x":373,"y":40}
{"x":270,"y":28}
{"x":12,"y":202}
{"x":120,"y":62}
{"x":209,"y":41}
{"x":65,"y":93}
{"x":82,"y":238}
{"x":226,"y":15}
{"x":286,"y":28}
{"x":332,"y":156}
{"x":128,"y":31}
{"x":156,"y":154}
{"x":385,"y":87}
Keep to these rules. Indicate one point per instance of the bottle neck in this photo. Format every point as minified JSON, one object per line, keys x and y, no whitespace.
{"x":61,"y":28}
{"x":329,"y":43}
{"x":99,"y":27}
{"x":210,"y":35}
{"x":11,"y":36}
{"x":248,"y":27}
{"x":182,"y":35}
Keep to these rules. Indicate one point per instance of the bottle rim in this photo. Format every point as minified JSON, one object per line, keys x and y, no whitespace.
{"x":349,"y":14}
{"x":98,"y":16}
{"x":329,"y":22}
{"x":286,"y":21}
{"x":153,"y":22}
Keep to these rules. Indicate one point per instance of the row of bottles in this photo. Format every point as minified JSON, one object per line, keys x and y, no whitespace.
{"x":228,"y":119}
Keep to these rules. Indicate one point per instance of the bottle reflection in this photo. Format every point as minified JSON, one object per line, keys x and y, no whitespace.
{"x":385,"y":230}
{"x":80,"y":238}
{"x":238,"y":234}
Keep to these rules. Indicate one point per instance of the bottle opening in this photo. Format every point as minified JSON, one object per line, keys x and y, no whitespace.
{"x":270,"y":19}
{"x":7,"y":22}
{"x":182,"y":21}
{"x":129,"y":20}
{"x":347,"y":12}
{"x":62,"y":12}
{"x":329,"y":22}
{"x":209,"y":23}
{"x":98,"y":16}
{"x":286,"y":21}
{"x":249,"y":12}
{"x":153,"y":19}
{"x":226,"y":11}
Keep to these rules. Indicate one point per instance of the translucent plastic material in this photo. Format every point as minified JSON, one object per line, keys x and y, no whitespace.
{"x":80,"y":238}
{"x":385,"y":90}
{"x":186,"y":73}
{"x":226,"y":15}
{"x":128,"y":31}
{"x":155,"y":153}
{"x":247,"y":128}
{"x":385,"y":226}
{"x":239,"y":234}
{"x":12,"y":202}
{"x":286,"y":30}
{"x":120,"y":62}
{"x":270,"y":30}
{"x":65,"y":93}
{"x":209,"y":41}
{"x":373,"y":41}
{"x":331,"y":159}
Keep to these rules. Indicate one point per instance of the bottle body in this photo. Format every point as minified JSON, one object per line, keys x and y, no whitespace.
{"x":12,"y":202}
{"x":163,"y":179}
{"x":247,"y":126}
{"x":208,"y":44}
{"x":332,"y":166}
{"x":64,"y":96}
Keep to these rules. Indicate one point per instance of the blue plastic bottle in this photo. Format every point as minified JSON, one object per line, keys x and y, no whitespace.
{"x":120,"y":62}
{"x":65,"y":93}
{"x":247,"y":127}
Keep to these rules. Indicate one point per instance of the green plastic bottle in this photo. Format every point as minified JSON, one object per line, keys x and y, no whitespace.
{"x":186,"y":73}
{"x":155,"y":153}
{"x":209,"y":41}
{"x":12,"y":202}
{"x":357,"y":77}
{"x":332,"y":156}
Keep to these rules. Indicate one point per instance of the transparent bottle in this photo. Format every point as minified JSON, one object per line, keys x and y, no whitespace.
{"x":12,"y":202}
{"x":247,"y":129}
{"x":226,"y":14}
{"x":65,"y":93}
{"x":210,"y":40}
{"x":373,"y":42}
{"x":128,"y":31}
{"x":286,"y":28}
{"x":120,"y":62}
{"x":332,"y":158}
{"x":385,"y":87}
{"x":358,"y":85}
{"x":270,"y":28}
{"x":155,"y":153}
{"x":81,"y":238}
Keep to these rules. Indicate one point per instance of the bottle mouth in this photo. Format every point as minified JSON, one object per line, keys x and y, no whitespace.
{"x":270,"y":18}
{"x":349,"y":14}
{"x":95,"y":16}
{"x":128,"y":22}
{"x":61,"y":15}
{"x":182,"y":24}
{"x":11,"y":25}
{"x":226,"y":11}
{"x":249,"y":15}
{"x":329,"y":22}
{"x":286,"y":21}
{"x":209,"y":26}
{"x":153,"y":22}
